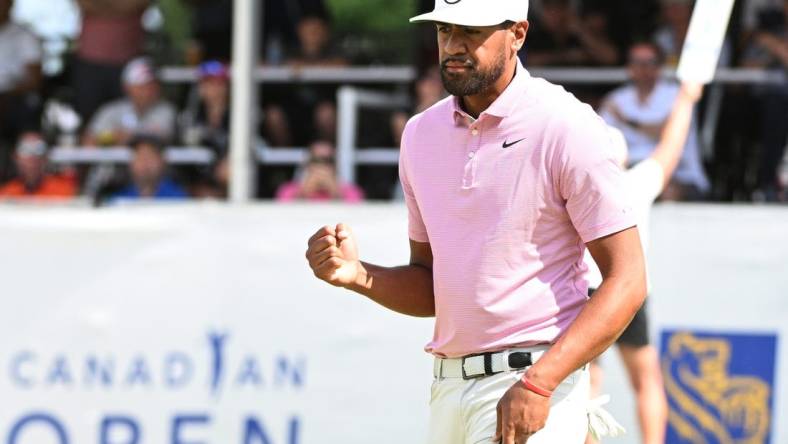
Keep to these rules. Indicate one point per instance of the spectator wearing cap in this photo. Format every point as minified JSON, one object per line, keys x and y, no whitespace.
{"x":111,"y":35}
{"x":20,"y":79}
{"x":143,"y":110}
{"x":149,"y":178}
{"x":319,"y":181}
{"x":33,"y":180}
{"x":207,"y":123}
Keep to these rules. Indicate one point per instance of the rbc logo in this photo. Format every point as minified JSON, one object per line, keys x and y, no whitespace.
{"x":719,"y":387}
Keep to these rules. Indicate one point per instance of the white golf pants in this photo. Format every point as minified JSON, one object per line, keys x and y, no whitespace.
{"x":464,"y":411}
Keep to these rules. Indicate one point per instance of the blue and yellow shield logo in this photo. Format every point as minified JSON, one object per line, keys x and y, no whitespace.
{"x":719,"y":387}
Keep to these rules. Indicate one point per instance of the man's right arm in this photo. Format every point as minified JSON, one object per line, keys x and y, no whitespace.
{"x":408,"y":289}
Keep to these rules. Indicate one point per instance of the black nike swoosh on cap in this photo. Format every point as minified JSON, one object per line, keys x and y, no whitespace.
{"x":507,"y":145}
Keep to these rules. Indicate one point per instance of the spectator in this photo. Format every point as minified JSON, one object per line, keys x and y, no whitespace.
{"x":285,"y":26}
{"x":315,"y":46}
{"x":641,"y":109}
{"x":20,"y":80}
{"x":208,"y":124}
{"x":429,"y":91}
{"x":560,"y":38}
{"x":32,"y":179}
{"x":319,"y":182}
{"x":142,"y":111}
{"x":212,"y":29}
{"x":769,"y":49}
{"x":148,"y":172}
{"x":111,"y":36}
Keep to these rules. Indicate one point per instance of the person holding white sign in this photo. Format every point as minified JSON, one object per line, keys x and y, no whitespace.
{"x":645,"y":181}
{"x":507,"y":183}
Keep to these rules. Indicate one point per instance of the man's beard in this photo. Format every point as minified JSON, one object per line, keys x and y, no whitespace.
{"x":473,"y":81}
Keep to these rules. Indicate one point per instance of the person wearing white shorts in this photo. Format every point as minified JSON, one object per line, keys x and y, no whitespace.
{"x":506,"y":183}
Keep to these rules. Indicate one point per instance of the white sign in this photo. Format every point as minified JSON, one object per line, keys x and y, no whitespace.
{"x":705,"y":40}
{"x":197,"y":325}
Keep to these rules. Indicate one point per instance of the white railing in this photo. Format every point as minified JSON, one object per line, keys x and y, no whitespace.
{"x":284,"y":74}
{"x":204,"y":156}
{"x":122,"y":155}
{"x":407,"y":74}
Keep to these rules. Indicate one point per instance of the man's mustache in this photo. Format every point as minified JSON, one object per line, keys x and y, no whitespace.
{"x":464,"y":61}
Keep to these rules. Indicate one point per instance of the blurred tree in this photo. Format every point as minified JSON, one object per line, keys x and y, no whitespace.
{"x":374,"y":31}
{"x":177,"y":25}
{"x":371,"y":15}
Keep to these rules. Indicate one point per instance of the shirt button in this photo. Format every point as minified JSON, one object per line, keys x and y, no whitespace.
{"x":471,"y":154}
{"x":475,"y":132}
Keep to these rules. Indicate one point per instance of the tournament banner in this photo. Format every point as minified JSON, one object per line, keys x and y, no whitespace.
{"x":197,"y":325}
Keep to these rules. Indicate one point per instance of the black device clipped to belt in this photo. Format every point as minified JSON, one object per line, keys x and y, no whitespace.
{"x":517,"y":361}
{"x":520,"y":360}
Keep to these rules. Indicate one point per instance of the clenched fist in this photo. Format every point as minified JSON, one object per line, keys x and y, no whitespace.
{"x":333,"y":255}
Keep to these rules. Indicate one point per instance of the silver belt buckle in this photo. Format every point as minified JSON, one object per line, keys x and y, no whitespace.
{"x":487,"y":357}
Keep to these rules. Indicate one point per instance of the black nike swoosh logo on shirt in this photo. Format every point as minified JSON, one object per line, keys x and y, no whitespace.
{"x":507,"y":145}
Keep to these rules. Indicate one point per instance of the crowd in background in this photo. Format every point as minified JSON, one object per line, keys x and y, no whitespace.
{"x":110,"y":95}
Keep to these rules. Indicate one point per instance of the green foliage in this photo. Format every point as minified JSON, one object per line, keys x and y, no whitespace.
{"x":376,"y":16}
{"x":176,"y":22}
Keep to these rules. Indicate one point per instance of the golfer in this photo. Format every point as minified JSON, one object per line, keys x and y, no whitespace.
{"x":507,"y":183}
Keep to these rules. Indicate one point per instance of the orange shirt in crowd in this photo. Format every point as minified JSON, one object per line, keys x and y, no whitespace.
{"x":52,"y":187}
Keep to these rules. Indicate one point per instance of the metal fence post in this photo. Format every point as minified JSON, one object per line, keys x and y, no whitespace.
{"x":347,"y":121}
{"x":243,"y":125}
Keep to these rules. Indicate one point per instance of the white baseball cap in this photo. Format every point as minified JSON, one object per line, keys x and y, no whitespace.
{"x":139,"y":72}
{"x":476,"y":12}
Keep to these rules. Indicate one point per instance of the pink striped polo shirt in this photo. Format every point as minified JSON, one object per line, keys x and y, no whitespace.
{"x":507,"y":203}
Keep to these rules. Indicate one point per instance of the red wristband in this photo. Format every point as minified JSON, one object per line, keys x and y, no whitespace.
{"x":536,"y":389}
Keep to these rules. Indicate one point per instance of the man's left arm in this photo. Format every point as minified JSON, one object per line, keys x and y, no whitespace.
{"x":605,"y":316}
{"x":522,"y":411}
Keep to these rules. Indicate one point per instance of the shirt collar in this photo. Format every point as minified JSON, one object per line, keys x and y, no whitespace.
{"x":504,"y":105}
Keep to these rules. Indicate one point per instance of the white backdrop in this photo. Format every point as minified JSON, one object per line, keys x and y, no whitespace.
{"x":202,"y":323}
